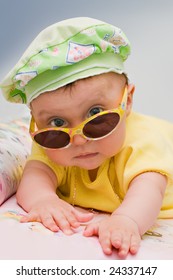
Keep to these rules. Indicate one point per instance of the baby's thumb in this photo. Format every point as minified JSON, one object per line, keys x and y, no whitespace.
{"x":83,"y":217}
{"x":24,"y":219}
{"x":30,"y":218}
{"x":91,"y":229}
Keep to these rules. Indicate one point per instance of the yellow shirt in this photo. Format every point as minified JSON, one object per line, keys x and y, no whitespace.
{"x":148,"y":147}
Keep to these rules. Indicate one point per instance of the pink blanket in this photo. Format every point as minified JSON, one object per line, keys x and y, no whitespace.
{"x":33,"y":241}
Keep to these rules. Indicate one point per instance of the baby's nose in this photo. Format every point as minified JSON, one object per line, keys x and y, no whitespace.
{"x":78,"y":139}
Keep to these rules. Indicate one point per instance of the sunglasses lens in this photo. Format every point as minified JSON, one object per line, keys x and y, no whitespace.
{"x":101,"y":125}
{"x":52,"y":139}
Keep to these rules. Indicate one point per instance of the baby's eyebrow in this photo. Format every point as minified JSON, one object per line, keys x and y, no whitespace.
{"x":46,"y":113}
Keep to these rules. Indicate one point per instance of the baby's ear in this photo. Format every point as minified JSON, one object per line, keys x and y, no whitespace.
{"x":130,"y":91}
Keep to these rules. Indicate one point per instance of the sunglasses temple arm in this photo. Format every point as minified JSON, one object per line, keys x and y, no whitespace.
{"x":124,"y":100}
{"x":32,"y":126}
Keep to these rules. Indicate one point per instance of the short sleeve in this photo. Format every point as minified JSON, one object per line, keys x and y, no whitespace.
{"x":148,"y":148}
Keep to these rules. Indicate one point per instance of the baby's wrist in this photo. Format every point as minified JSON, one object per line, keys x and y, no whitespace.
{"x":127,"y":216}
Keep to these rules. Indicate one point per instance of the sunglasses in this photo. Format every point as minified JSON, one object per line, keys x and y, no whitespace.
{"x":94,"y":128}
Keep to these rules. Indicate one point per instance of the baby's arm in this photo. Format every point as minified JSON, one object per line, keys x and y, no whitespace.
{"x":37,"y":195}
{"x":137,"y":213}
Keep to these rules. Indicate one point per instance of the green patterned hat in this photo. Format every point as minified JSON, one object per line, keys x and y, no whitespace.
{"x":63,"y":53}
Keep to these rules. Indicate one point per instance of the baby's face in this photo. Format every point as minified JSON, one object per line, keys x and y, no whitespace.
{"x":69,"y":106}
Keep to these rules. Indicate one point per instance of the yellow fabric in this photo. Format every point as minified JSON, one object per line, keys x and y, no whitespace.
{"x":148,"y":147}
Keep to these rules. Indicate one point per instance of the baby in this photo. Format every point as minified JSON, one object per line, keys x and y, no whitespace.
{"x":89,"y":148}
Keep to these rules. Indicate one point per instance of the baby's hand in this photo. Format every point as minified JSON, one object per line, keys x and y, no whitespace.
{"x":119,"y":232}
{"x":56,"y":214}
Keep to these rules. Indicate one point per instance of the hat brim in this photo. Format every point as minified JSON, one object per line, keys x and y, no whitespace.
{"x":53,"y":79}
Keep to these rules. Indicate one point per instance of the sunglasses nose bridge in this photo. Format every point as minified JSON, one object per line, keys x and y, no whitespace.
{"x":77,"y":140}
{"x":77,"y":131}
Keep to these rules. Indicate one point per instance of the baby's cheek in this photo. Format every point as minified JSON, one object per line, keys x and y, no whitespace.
{"x":57,"y":156}
{"x":114,"y":142}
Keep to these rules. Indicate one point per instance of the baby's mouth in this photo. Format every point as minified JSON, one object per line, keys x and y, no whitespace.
{"x":86,"y":155}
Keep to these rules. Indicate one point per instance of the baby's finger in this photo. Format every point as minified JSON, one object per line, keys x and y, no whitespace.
{"x":30,"y":217}
{"x":116,"y":239}
{"x":49,"y":223}
{"x":63,"y":223}
{"x":91,"y":229}
{"x":135,"y":244}
{"x":82,"y":217}
{"x":105,"y":242}
{"x":73,"y":220}
{"x":125,"y":245}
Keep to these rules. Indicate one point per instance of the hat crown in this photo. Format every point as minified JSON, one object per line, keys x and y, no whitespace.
{"x":63,"y":44}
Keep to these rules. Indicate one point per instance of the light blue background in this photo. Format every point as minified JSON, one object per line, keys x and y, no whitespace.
{"x":148,"y":25}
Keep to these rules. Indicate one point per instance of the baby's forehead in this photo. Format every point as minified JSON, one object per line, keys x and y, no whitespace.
{"x":107,"y":80}
{"x":103,"y":88}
